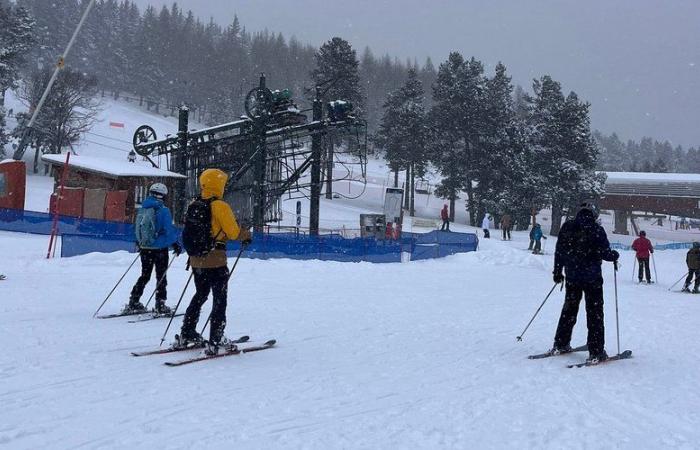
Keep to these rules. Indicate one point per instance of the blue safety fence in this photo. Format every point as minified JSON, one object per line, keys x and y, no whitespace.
{"x":41,"y":223}
{"x":83,"y":236}
{"x":669,"y":246}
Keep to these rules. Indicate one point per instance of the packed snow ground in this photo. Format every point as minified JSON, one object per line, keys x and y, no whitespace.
{"x":419,"y":355}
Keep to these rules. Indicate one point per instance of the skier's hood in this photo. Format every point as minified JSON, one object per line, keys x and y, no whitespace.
{"x":151,"y":202}
{"x":212,"y":183}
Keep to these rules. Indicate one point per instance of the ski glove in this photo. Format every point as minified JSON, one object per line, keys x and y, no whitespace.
{"x":615,"y":255}
{"x":245,"y":236}
{"x":177,"y":249}
{"x":558,"y":278}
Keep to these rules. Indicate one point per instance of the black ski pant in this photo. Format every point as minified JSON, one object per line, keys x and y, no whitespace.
{"x":532,"y":243}
{"x":693,"y":273}
{"x":644,"y":268}
{"x":445,"y":224}
{"x":487,"y":234}
{"x":216,"y":282}
{"x":538,"y":246}
{"x":594,"y":315}
{"x":149,"y":259}
{"x":506,"y":233}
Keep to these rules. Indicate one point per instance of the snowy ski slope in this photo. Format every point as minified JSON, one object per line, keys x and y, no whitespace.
{"x":415,"y":356}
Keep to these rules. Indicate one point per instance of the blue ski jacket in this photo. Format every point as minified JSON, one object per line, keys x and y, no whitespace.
{"x":166,"y":234}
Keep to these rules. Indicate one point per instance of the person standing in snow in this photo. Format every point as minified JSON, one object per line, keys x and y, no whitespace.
{"x":209,"y":270}
{"x":506,"y":226}
{"x":155,"y":233}
{"x":445,"y":216}
{"x":485,"y":225}
{"x":692,"y":259}
{"x":580,"y":251}
{"x":537,"y":235}
{"x":644,"y":249}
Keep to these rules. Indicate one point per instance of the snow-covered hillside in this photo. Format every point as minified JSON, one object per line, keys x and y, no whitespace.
{"x":420,"y":355}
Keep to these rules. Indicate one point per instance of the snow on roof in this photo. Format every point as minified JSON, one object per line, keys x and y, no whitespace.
{"x":9,"y":160}
{"x":112,"y":167}
{"x":644,"y":177}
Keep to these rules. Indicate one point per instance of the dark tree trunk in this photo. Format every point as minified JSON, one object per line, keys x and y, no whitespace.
{"x":407,"y":188}
{"x":557,"y":215}
{"x":470,"y":203}
{"x":453,"y":201}
{"x":396,"y":178}
{"x":35,"y":169}
{"x":412,"y":210}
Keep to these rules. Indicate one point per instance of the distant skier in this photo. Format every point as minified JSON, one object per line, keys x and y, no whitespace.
{"x":445,"y":215}
{"x":532,"y":238}
{"x":537,"y":235}
{"x":644,"y":249}
{"x":155,"y":232}
{"x":209,"y":224}
{"x":692,"y":259}
{"x":485,"y":225}
{"x":580,"y":250}
{"x":506,"y":226}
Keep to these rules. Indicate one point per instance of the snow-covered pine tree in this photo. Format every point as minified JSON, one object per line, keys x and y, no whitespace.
{"x":403,"y":132}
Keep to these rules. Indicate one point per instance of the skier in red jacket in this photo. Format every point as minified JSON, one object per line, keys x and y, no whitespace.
{"x":445,"y":216}
{"x":644,"y":249}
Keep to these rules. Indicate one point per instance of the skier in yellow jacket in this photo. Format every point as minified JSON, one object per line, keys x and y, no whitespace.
{"x":209,"y":265}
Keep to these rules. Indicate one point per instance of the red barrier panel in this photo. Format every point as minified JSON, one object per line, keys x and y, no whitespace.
{"x":13,"y":181}
{"x":72,"y":203}
{"x":115,"y":206}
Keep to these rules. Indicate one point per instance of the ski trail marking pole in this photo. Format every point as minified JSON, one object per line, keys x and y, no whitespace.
{"x":520,"y":338}
{"x":243,"y":247}
{"x":634,"y":266}
{"x":115,"y":286}
{"x":617,"y":314}
{"x":679,"y":280}
{"x":160,"y":281}
{"x":176,"y":308}
{"x":653,"y":261}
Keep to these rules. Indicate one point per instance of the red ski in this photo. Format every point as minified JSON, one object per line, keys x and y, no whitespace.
{"x":232,"y":351}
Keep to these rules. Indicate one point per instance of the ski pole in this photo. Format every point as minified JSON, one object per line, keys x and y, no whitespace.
{"x":160,"y":281}
{"x":679,"y":280}
{"x":176,"y":308}
{"x":653,"y":261}
{"x":634,"y":266}
{"x":240,"y":252}
{"x":520,"y":338}
{"x":617,"y":315}
{"x":115,"y":286}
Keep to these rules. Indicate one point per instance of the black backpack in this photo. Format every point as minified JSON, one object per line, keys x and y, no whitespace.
{"x":196,"y":236}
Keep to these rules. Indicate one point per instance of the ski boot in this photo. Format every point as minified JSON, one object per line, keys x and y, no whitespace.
{"x":134,"y":307}
{"x":560,"y":350}
{"x":597,"y":359}
{"x":686,"y":289}
{"x":224,"y":345}
{"x":162,"y":309}
{"x":188,"y":339}
{"x":696,"y":291}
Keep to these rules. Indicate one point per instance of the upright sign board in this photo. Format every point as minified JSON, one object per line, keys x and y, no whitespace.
{"x":393,"y":201}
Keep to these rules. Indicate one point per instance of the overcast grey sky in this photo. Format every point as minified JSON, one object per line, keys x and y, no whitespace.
{"x":636,"y":61}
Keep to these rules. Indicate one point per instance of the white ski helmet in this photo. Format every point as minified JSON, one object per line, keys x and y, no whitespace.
{"x":158,"y":190}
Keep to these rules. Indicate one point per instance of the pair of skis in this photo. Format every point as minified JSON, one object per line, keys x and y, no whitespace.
{"x":624,"y":355}
{"x":232,"y":349}
{"x":148,"y":315}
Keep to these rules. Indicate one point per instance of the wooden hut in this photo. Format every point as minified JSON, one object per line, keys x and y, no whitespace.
{"x":104,"y":188}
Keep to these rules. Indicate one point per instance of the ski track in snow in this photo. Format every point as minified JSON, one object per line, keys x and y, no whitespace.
{"x":420,"y":355}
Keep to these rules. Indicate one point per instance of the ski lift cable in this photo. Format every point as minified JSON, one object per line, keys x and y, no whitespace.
{"x":60,"y":64}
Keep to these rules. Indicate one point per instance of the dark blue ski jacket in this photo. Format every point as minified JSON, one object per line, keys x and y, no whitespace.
{"x":581,"y":249}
